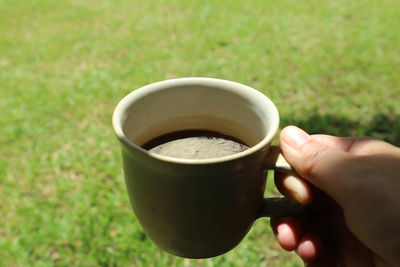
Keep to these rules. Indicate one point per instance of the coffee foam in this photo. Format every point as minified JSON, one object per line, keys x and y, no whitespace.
{"x":199,"y":148}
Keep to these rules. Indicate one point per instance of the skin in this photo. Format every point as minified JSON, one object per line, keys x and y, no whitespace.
{"x":352,"y":190}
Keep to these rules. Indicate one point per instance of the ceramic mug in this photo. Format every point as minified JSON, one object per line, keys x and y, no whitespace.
{"x":199,"y":208}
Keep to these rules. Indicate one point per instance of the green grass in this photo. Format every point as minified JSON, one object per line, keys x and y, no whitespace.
{"x":330,"y":66}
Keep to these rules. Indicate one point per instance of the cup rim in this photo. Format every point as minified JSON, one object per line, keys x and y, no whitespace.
{"x":126,"y":101}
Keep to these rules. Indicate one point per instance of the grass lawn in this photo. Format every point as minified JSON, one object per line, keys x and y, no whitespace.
{"x":330,"y":66}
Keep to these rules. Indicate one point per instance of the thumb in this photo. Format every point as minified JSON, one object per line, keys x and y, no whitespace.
{"x":329,"y":169}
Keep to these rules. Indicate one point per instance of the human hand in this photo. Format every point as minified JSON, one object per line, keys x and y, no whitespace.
{"x":354,"y":215}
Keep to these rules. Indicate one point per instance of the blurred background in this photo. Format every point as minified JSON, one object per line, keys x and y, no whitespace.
{"x":330,"y":66}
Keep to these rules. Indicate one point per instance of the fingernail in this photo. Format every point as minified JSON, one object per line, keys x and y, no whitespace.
{"x":282,"y":229}
{"x":295,"y":137}
{"x":298,"y":189}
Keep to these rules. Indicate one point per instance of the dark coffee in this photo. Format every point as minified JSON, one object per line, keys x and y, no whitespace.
{"x":195,"y":144}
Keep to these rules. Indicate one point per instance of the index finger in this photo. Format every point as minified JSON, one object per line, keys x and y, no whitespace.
{"x":356,"y":145}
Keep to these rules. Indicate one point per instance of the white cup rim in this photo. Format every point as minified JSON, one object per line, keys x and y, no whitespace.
{"x":125,"y":102}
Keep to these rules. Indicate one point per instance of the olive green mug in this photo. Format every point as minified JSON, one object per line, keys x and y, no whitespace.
{"x":199,"y":208}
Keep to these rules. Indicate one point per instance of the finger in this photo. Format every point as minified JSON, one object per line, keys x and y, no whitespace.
{"x":287,"y":231}
{"x":309,"y":248}
{"x":318,"y":253}
{"x":293,"y":187}
{"x":329,"y":169}
{"x":341,"y":143}
{"x":356,"y":145}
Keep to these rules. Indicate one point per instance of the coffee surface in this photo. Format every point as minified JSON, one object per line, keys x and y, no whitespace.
{"x":195,"y":144}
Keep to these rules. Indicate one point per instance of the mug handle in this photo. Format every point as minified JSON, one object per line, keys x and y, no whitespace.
{"x":279,"y":206}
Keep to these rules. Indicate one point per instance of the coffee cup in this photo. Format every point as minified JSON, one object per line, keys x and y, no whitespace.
{"x":200,"y":208}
